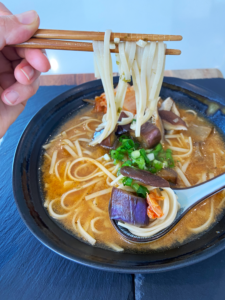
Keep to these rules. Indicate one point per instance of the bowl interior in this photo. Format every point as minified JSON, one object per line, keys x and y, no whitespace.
{"x":27,"y":190}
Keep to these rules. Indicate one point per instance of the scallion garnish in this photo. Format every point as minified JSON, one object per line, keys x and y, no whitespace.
{"x":153,"y":160}
{"x":139,"y":189}
{"x":127,"y":181}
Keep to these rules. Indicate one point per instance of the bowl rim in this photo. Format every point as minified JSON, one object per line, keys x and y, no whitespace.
{"x":34,"y":229}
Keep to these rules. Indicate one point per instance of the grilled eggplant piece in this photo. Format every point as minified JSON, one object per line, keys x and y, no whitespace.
{"x":145,"y":177}
{"x":128,"y":208}
{"x":150,"y":135}
{"x":121,"y":129}
{"x":110,"y":142}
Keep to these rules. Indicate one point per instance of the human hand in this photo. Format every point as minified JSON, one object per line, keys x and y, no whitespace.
{"x":20,"y":68}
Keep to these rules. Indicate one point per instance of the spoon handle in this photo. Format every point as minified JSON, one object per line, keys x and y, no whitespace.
{"x":189,"y":197}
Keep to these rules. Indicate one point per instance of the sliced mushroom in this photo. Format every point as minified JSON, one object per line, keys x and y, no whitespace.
{"x":144,"y":176}
{"x":172,"y":121}
{"x":167,"y":104}
{"x":150,"y":135}
{"x":175,"y":110}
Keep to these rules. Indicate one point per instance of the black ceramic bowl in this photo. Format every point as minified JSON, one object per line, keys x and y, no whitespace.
{"x":27,"y":187}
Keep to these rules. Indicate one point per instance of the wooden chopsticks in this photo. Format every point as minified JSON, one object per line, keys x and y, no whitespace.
{"x":75,"y":46}
{"x":55,"y":39}
{"x":99,"y":36}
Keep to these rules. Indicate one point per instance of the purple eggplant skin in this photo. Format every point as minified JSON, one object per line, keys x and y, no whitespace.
{"x":110,"y":142}
{"x":127,"y":207}
{"x":145,"y":177}
{"x":121,"y":129}
{"x":150,"y":135}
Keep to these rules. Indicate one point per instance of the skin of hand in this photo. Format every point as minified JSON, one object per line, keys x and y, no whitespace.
{"x":20,"y":68}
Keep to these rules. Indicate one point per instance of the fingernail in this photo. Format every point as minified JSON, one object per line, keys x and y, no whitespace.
{"x":11,"y":97}
{"x":28,"y":71}
{"x":27,"y":17}
{"x":44,"y":52}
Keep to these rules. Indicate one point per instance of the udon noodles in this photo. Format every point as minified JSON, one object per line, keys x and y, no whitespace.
{"x":81,"y":173}
{"x":146,"y":65}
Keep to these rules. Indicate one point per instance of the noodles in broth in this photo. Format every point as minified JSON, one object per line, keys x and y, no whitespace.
{"x":81,"y":173}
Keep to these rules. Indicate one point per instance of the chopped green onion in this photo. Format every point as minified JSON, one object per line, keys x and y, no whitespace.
{"x":122,"y":137}
{"x":127,"y":163}
{"x":143,"y":154}
{"x":165,"y":164}
{"x":136,"y":145}
{"x":128,"y":143}
{"x":142,"y":191}
{"x":151,"y":156}
{"x":127,"y":181}
{"x":135,"y":186}
{"x":132,"y":155}
{"x":140,"y":162}
{"x":135,"y":154}
{"x":158,"y":148}
{"x":148,"y":151}
{"x":158,"y":165}
{"x":116,"y":155}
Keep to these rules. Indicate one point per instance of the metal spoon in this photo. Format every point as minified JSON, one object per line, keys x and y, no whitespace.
{"x":188,"y":198}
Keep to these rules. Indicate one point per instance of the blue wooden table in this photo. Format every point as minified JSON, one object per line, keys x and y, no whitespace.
{"x":29,"y":270}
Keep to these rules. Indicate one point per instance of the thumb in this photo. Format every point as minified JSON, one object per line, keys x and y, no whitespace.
{"x":16,"y":29}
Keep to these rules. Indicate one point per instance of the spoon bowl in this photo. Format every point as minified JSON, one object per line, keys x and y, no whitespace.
{"x":187,"y":198}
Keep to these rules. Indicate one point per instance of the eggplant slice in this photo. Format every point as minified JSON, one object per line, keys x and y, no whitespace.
{"x":110,"y":142}
{"x":128,"y":208}
{"x":121,"y":129}
{"x":150,"y":135}
{"x":143,"y":176}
